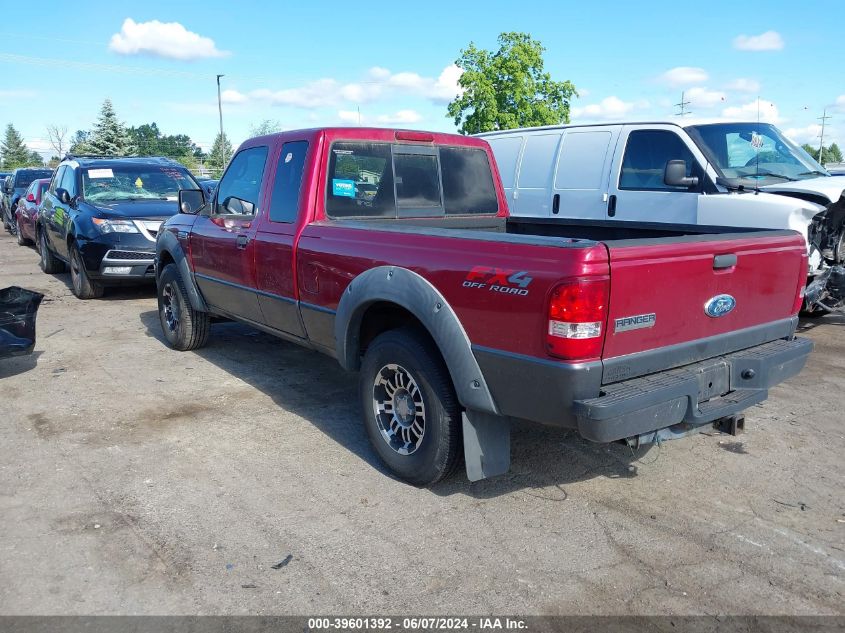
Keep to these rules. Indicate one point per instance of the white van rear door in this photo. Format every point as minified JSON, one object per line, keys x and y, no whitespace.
{"x":580,"y":187}
{"x":506,"y":151}
{"x":532,"y":196}
{"x":637,"y":190}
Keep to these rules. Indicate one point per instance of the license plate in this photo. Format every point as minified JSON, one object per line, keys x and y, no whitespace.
{"x":713,"y":381}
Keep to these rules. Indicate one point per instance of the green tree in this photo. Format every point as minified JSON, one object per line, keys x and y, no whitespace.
{"x":109,"y":137}
{"x":830,"y":154}
{"x":219,"y":155}
{"x":79,"y":143}
{"x":508,"y":88}
{"x":35,"y":159}
{"x":13,"y":150}
{"x":267,"y":126}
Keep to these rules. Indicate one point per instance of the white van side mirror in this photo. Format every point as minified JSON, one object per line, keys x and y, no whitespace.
{"x":675,"y":175}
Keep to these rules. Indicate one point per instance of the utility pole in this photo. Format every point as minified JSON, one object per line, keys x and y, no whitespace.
{"x":683,"y":106}
{"x":220,"y":106}
{"x":823,"y":118}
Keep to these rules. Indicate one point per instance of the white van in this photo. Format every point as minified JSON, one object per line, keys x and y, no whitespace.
{"x":683,"y":171}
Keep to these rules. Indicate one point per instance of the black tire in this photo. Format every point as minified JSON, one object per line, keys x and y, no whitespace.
{"x":6,"y":224}
{"x":81,"y":284}
{"x":22,"y":241}
{"x":49,"y":263}
{"x":184,"y":328}
{"x":438,"y":448}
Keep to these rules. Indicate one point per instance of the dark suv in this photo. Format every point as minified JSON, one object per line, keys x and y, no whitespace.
{"x":14,"y":186}
{"x":100,"y":216}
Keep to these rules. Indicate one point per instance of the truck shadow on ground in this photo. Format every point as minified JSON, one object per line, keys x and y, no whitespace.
{"x":315,"y":387}
{"x":805,"y":324}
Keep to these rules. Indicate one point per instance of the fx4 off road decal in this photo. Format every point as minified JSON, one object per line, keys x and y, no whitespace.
{"x":510,"y":282}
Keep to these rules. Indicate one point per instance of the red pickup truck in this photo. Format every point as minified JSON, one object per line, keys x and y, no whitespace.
{"x":393,"y":252}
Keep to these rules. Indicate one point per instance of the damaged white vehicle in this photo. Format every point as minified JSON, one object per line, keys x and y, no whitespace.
{"x":683,"y":171}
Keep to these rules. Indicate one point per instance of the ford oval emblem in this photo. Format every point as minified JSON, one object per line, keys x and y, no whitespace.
{"x":719,"y":306}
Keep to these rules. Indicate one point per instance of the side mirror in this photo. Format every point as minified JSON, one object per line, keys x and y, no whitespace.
{"x":30,"y":197}
{"x":675,"y":175}
{"x":237,"y":206}
{"x":63,"y":195}
{"x":191,"y":201}
{"x":8,"y":188}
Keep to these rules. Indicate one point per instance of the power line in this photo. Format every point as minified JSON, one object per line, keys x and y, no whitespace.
{"x":682,"y":105}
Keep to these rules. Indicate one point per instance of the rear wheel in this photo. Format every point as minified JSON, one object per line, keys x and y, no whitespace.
{"x":49,"y":263}
{"x":81,"y":284}
{"x":22,"y":241}
{"x":183,"y":327}
{"x":411,"y":412}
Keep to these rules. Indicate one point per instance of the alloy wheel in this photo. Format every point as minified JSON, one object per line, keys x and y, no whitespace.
{"x":170,"y":307}
{"x":399,"y":409}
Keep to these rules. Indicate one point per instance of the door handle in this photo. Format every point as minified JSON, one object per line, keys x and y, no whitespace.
{"x":611,"y":206}
{"x":242,"y":240}
{"x":724,"y":261}
{"x":556,"y":203}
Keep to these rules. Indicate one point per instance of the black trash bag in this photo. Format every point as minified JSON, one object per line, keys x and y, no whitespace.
{"x":18,"y":308}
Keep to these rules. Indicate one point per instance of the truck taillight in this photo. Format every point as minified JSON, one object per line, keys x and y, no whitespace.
{"x":802,"y":286}
{"x":577,"y":316}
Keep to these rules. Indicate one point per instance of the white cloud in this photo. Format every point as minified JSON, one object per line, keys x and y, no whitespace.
{"x":808,"y":134}
{"x":232,"y":96}
{"x":608,"y":108}
{"x":684,"y":75}
{"x":703,"y":98}
{"x":768,"y":112}
{"x":162,"y":39}
{"x":768,"y":41}
{"x":402,"y":116}
{"x":11,"y":95}
{"x":350,"y":116}
{"x":744,"y":85}
{"x":840,"y":102}
{"x":379,"y":82}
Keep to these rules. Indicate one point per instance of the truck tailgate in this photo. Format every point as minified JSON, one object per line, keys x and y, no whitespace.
{"x":660,"y":289}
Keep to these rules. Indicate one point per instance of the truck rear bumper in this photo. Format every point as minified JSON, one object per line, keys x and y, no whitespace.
{"x":696,"y":394}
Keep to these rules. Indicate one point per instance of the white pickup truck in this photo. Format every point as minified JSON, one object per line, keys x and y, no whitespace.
{"x":682,"y":171}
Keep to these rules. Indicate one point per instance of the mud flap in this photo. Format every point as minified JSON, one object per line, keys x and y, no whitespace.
{"x":487,"y":444}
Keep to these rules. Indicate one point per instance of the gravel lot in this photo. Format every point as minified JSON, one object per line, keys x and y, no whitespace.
{"x":135,"y":479}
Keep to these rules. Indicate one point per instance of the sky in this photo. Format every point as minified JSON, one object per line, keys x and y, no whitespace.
{"x":391,"y":64}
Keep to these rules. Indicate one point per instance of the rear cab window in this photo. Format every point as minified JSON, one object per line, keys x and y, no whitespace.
{"x":387,"y":180}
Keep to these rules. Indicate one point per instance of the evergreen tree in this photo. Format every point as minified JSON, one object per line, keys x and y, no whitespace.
{"x":219,"y":156}
{"x":13,"y":150}
{"x":835,"y":153}
{"x":109,"y":136}
{"x":35,"y":159}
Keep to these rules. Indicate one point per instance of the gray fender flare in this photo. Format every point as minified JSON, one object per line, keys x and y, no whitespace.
{"x":167,"y":242}
{"x":409,"y":290}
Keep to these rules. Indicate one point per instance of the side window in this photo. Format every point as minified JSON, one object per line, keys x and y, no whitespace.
{"x":538,"y":158}
{"x":646,"y":155}
{"x":467,"y":181}
{"x":238,"y":191}
{"x":57,"y":178}
{"x":417,"y":183}
{"x":69,"y":181}
{"x":284,"y":204}
{"x":360,"y":181}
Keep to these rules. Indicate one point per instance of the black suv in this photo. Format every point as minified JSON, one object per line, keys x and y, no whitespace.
{"x":100,"y":216}
{"x":14,"y":186}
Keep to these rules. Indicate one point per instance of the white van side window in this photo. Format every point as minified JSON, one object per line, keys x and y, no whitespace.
{"x":646,"y":155}
{"x":537,"y":161}
{"x":582,"y":158}
{"x":506,"y":151}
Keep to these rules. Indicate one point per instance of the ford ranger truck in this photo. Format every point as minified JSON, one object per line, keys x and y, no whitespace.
{"x":392,"y":251}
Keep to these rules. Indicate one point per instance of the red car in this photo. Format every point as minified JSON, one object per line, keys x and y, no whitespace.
{"x":26,"y":213}
{"x":393,"y":252}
